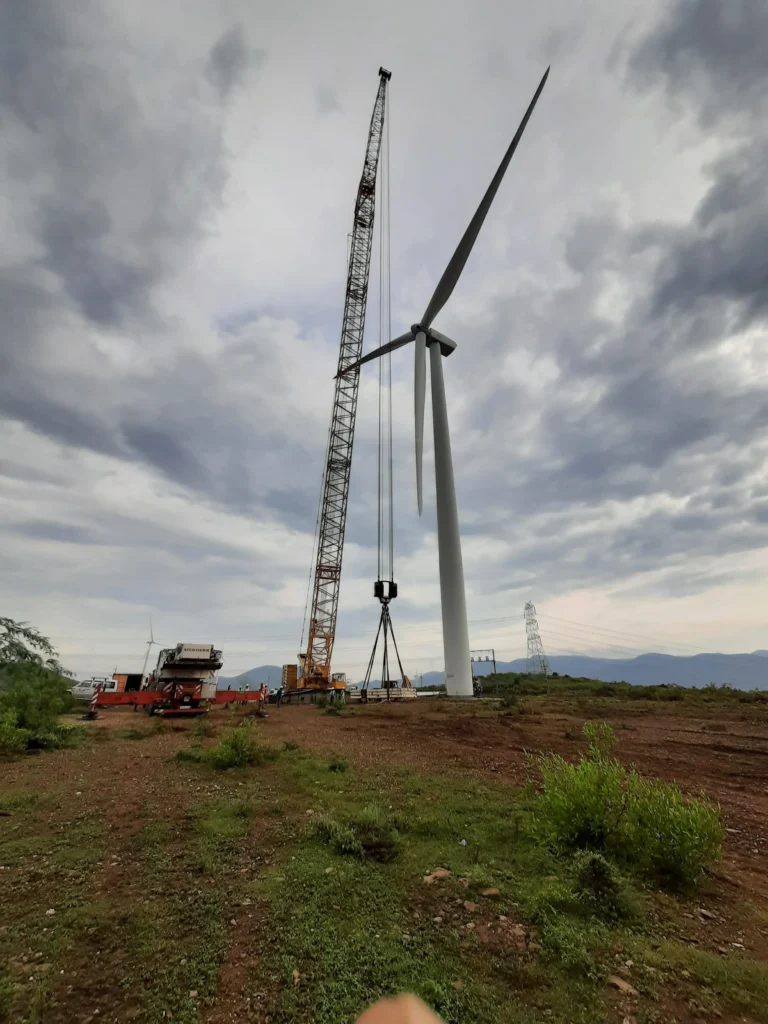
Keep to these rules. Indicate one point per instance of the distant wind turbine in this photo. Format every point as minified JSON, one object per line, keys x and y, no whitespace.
{"x":458,"y":671}
{"x":150,"y":644}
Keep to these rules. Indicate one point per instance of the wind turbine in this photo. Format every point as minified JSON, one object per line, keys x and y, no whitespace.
{"x":458,"y":671}
{"x":150,"y":643}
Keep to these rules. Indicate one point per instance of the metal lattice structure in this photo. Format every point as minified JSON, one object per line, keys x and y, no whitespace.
{"x":333,"y":516}
{"x":537,"y":659}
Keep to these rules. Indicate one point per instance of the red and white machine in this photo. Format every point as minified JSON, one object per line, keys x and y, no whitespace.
{"x":183,"y":683}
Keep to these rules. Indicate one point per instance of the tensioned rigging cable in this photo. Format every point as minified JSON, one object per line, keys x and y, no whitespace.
{"x":385,"y":499}
{"x":388,"y":335}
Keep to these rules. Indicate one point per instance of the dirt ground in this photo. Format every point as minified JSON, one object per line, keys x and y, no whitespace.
{"x":720,"y":751}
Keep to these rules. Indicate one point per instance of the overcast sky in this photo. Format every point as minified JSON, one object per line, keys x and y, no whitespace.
{"x":178,"y":182}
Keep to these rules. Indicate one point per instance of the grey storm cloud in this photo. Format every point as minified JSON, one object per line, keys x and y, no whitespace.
{"x":647,"y":405}
{"x":709,"y":54}
{"x":230,"y":59}
{"x":641,"y":404}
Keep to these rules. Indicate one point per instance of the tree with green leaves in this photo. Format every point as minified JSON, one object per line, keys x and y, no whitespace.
{"x":34,"y":690}
{"x":22,"y":642}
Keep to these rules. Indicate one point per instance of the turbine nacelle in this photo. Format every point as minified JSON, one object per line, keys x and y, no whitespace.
{"x":446,"y":345}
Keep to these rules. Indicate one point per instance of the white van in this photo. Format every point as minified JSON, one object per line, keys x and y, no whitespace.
{"x":85,"y":690}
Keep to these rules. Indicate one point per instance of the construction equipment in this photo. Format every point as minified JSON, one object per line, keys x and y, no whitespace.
{"x":314,"y":669}
{"x":389,"y":688}
{"x":183,"y":683}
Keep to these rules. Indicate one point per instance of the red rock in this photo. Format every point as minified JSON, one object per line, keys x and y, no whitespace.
{"x":490,"y":892}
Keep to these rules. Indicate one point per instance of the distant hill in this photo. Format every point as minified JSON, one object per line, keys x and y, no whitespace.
{"x":743,"y":671}
{"x":269,"y":674}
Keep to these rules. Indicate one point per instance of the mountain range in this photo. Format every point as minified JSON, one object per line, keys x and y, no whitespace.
{"x":743,"y":671}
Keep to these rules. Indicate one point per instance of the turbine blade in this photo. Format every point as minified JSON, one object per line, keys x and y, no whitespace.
{"x":389,"y":347}
{"x":419,"y":394}
{"x":151,"y":634}
{"x":453,"y":271}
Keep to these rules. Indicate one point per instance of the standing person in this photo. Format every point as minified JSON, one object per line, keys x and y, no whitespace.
{"x":279,"y":695}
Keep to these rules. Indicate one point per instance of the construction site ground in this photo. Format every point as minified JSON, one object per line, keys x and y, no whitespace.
{"x":138,"y":886}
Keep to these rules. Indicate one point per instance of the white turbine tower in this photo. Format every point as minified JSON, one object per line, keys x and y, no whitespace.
{"x":458,"y":671}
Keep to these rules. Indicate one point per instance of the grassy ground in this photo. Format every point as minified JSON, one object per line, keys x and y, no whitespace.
{"x":295,"y":890}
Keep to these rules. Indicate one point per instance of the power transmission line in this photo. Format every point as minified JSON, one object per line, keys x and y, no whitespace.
{"x":537,"y":659}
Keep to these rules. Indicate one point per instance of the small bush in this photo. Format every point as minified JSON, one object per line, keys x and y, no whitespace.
{"x":333,"y":709}
{"x":340,"y":838}
{"x":194,"y":753}
{"x":203,"y":728}
{"x":338,"y":764}
{"x":31,"y":702}
{"x":598,"y":805}
{"x":672,"y":837}
{"x":13,"y":740}
{"x":377,"y":833}
{"x":237,"y":748}
{"x":599,"y":887}
{"x":322,"y":700}
{"x":372,"y":834}
{"x":565,"y":941}
{"x":581,"y":805}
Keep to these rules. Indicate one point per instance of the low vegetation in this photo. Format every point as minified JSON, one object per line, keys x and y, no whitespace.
{"x":313,"y":886}
{"x":523,"y":684}
{"x":34,"y":692}
{"x":238,"y":747}
{"x":646,"y":824}
{"x":32,"y":700}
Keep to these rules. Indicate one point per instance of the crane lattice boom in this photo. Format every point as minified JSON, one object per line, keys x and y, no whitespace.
{"x":333,"y":516}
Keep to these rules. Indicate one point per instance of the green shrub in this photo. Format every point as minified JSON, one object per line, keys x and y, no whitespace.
{"x":203,"y":728}
{"x":670,"y":836}
{"x":599,"y":887}
{"x":377,"y":833}
{"x":565,"y":940}
{"x":193,"y":753}
{"x":13,"y":740}
{"x":237,"y":748}
{"x":338,"y":764}
{"x":372,"y":834}
{"x":334,"y":709}
{"x":597,"y":804}
{"x":34,"y":698}
{"x":581,"y":805}
{"x":322,"y":700}
{"x":340,"y":838}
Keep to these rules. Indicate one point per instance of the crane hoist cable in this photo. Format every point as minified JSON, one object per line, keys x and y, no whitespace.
{"x":385,"y":588}
{"x":385,"y":502}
